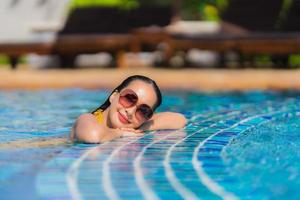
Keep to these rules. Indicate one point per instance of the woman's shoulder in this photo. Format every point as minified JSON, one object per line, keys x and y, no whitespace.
{"x":89,"y":119}
{"x":87,"y":128}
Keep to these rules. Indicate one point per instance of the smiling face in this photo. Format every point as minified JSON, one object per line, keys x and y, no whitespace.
{"x":120,"y":116}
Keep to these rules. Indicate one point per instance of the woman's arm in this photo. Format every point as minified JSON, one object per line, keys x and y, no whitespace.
{"x":87,"y":129}
{"x":165,"y":120}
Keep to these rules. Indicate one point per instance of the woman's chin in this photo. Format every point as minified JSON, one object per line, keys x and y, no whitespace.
{"x":117,"y":125}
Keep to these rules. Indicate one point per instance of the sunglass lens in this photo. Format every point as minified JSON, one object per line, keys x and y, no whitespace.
{"x":128,"y":100}
{"x":144,"y":112}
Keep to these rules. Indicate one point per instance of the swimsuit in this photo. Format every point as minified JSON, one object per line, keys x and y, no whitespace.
{"x":99,"y":115}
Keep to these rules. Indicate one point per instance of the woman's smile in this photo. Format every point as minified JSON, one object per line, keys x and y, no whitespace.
{"x":123,"y":118}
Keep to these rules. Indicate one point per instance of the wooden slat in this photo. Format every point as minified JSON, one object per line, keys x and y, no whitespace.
{"x":75,"y":44}
{"x":269,"y":46}
{"x":18,"y":49}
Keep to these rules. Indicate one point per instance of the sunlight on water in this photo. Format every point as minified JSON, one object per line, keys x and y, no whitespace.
{"x":236,"y":144}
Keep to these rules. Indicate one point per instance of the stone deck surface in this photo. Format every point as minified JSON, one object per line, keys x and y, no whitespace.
{"x":191,"y":79}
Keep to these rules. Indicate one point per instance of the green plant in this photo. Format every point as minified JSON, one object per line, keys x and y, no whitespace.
{"x":126,"y":4}
{"x":3,"y":59}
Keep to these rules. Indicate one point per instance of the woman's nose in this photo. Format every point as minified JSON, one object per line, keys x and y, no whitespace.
{"x":130,"y":112}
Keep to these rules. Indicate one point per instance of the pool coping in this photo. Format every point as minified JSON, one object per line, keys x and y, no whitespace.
{"x":185,"y":79}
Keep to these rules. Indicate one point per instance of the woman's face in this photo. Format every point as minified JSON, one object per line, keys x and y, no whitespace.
{"x":125,"y":117}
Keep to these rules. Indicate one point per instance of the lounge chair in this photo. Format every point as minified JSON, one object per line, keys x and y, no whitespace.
{"x":29,"y":26}
{"x":148,"y":28}
{"x":271,"y":34}
{"x":290,"y":23}
{"x":241,"y":18}
{"x":93,"y":30}
{"x":260,"y":16}
{"x":248,"y":28}
{"x":96,"y":29}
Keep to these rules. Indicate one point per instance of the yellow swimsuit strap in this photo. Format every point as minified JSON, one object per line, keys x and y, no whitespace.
{"x":99,"y":115}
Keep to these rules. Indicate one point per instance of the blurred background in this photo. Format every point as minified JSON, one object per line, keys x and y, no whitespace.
{"x":160,"y":33}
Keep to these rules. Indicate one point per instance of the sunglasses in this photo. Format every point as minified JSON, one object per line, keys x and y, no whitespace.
{"x":128,"y":98}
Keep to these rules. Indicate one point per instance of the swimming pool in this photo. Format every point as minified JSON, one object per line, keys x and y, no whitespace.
{"x":236,"y":145}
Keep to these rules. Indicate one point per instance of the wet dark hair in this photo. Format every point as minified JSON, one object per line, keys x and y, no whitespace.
{"x":126,"y":82}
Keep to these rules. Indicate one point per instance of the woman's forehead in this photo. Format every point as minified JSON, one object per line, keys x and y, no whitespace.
{"x":145,"y":92}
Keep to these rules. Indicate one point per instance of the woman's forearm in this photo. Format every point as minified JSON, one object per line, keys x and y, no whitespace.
{"x":165,"y":120}
{"x":108,"y":135}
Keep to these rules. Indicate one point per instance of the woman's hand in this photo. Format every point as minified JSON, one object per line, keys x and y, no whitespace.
{"x":165,"y":120}
{"x":131,"y":132}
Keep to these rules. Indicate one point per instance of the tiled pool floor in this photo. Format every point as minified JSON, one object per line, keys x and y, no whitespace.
{"x":190,"y":163}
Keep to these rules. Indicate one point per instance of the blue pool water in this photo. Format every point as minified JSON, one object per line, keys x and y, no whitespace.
{"x":235,"y":146}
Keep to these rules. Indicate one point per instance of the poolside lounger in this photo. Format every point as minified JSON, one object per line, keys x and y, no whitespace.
{"x":253,"y":29}
{"x":96,"y":29}
{"x":278,"y":45}
{"x":253,"y":15}
{"x":148,"y":29}
{"x":146,"y":16}
{"x":15,"y":50}
{"x":274,"y":34}
{"x":269,"y":32}
{"x":221,"y":40}
{"x":291,"y":22}
{"x":239,"y":20}
{"x":29,"y":26}
{"x":273,"y":43}
{"x":70,"y":46}
{"x":93,"y":30}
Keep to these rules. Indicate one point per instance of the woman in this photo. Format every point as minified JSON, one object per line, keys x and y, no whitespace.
{"x":128,"y":110}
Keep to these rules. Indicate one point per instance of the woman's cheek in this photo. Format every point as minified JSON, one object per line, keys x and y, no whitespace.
{"x":113,"y":118}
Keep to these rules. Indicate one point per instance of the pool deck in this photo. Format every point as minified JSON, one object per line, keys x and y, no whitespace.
{"x":192,"y":79}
